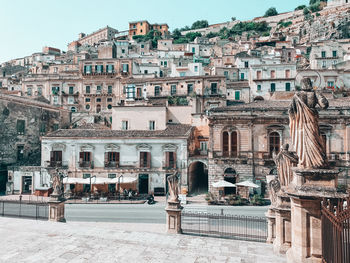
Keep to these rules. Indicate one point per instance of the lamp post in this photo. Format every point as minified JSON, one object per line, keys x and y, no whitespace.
{"x":119,"y":185}
{"x":91,"y":185}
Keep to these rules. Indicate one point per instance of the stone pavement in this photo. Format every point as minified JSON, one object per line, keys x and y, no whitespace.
{"x":42,"y":241}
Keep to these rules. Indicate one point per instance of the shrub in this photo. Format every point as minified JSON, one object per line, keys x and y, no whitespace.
{"x":271,"y":12}
{"x":257,"y":200}
{"x":211,"y":198}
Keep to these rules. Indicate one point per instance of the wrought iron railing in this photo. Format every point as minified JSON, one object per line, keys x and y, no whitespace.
{"x":224,"y":226}
{"x":35,"y":210}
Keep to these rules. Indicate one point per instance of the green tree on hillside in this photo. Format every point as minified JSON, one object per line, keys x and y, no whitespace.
{"x":200,"y":24}
{"x":271,"y":12}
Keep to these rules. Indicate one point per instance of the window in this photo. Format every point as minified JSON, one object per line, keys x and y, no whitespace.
{"x":193,"y":50}
{"x":237,"y":95}
{"x":145,"y":71}
{"x":258,"y":74}
{"x":87,"y":89}
{"x":182,"y":74}
{"x":29,"y":91}
{"x":42,"y":128}
{"x":214,"y":88}
{"x":246,"y":64}
{"x":189,"y":88}
{"x":234,"y":75}
{"x":170,"y":159}
{"x":152,"y":125}
{"x":287,"y":73}
{"x":125,"y":125}
{"x":99,"y":68}
{"x":112,"y":176}
{"x":55,"y":100}
{"x":87,"y":69}
{"x":272,"y":87}
{"x":323,"y":54}
{"x":20,"y":152}
{"x":226,"y":74}
{"x":324,"y":64}
{"x":234,"y":144}
{"x":112,"y":159}
{"x":98,"y":90}
{"x":98,"y":99}
{"x":287,"y":86}
{"x":55,"y":158}
{"x":87,"y":99}
{"x":125,"y":68}
{"x":71,"y":90}
{"x":109,"y":106}
{"x":87,"y":106}
{"x":173,"y":89}
{"x":70,"y":100}
{"x":55,"y":126}
{"x":130,"y":92}
{"x":258,"y":87}
{"x":204,"y":146}
{"x":21,"y":126}
{"x":98,"y":108}
{"x":242,"y":76}
{"x":142,"y":46}
{"x":225,"y":139}
{"x":109,"y":99}
{"x":334,"y":53}
{"x":123,"y":51}
{"x":274,"y":143}
{"x":73,"y":109}
{"x":110,"y":68}
{"x":40,"y":91}
{"x":273,"y":74}
{"x":156,"y":90}
{"x":145,"y":159}
{"x":330,"y":84}
{"x":85,"y":161}
{"x":195,"y":68}
{"x":165,"y":64}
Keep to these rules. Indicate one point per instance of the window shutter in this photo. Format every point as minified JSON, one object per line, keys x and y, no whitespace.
{"x":148,"y":159}
{"x":51,"y":156}
{"x":117,"y":158}
{"x":141,"y":159}
{"x":60,"y":156}
{"x":112,"y":68}
{"x":106,"y":157}
{"x":127,"y":67}
{"x":95,"y":68}
{"x":174,"y":154}
{"x":81,"y":156}
{"x":167,"y":159}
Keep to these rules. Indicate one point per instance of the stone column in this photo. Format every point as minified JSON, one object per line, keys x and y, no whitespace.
{"x":56,"y":211}
{"x":282,"y":241}
{"x":173,"y":219}
{"x":307,"y":189}
{"x":271,"y":225}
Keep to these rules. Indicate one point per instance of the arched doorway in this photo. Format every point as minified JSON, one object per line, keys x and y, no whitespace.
{"x":230,"y":175}
{"x":197,"y":178}
{"x":98,"y":108}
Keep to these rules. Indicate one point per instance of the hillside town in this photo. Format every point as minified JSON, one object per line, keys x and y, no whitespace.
{"x":208,"y":102}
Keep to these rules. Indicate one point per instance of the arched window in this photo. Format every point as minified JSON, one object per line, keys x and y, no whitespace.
{"x":73,"y":109}
{"x":274,"y":143}
{"x":225,"y":143}
{"x":234,"y":144}
{"x":98,"y":108}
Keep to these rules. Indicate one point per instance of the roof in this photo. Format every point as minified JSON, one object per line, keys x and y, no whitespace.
{"x":279,"y":105}
{"x":172,"y":130}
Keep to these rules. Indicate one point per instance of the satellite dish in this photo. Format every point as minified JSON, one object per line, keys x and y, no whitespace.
{"x":314,"y":75}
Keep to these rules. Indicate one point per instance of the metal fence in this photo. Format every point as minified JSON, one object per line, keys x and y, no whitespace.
{"x":35,"y":210}
{"x":224,"y":226}
{"x":336,"y":231}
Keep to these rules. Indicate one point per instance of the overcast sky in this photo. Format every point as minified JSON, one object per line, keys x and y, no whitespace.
{"x":28,"y":25}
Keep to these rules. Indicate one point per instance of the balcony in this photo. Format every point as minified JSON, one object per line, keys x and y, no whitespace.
{"x":70,"y":94}
{"x":86,"y":164}
{"x":170,"y":166}
{"x":57,"y":164}
{"x":110,"y":164}
{"x":110,"y":73}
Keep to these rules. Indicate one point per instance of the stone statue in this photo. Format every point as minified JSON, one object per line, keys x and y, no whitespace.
{"x":285,"y":160}
{"x":173,"y":182}
{"x":57,"y":184}
{"x":274,"y":187}
{"x":304,"y":127}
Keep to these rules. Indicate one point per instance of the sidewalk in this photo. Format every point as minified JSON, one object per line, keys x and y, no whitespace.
{"x":42,"y":241}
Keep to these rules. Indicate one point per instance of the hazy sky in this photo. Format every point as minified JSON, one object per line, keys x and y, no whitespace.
{"x":28,"y":25}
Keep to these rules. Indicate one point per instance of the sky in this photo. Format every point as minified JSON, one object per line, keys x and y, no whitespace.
{"x":28,"y":25}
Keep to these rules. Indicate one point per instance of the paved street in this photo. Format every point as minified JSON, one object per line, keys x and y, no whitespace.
{"x":144,"y":213}
{"x":42,"y":241}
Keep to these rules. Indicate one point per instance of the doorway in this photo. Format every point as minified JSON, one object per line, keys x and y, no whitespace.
{"x":198,"y":178}
{"x":27,"y":184}
{"x":143,"y":183}
{"x":230,"y":176}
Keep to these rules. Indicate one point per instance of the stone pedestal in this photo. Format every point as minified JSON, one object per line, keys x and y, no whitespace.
{"x":173,"y":219}
{"x":56,"y":209}
{"x":306,"y":191}
{"x":271,"y":225}
{"x":282,"y":241}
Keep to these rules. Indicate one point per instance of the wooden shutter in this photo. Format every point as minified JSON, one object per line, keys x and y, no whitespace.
{"x":167,"y":159}
{"x":51,"y":156}
{"x":117,"y":158}
{"x":81,"y":156}
{"x":106,"y":158}
{"x":59,"y":156}
{"x":174,"y":156}
{"x":141,"y":159}
{"x":148,"y":159}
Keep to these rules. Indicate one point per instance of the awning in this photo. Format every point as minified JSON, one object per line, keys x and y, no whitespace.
{"x":99,"y":180}
{"x":248,"y":184}
{"x":223,"y":183}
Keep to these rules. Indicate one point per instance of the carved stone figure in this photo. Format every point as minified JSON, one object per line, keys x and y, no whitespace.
{"x":304,"y":127}
{"x":57,"y":184}
{"x":274,"y":187}
{"x":173,"y":182}
{"x":285,"y":160}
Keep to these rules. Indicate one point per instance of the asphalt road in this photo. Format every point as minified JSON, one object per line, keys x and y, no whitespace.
{"x":144,"y":213}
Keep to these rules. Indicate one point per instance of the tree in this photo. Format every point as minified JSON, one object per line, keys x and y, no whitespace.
{"x":271,"y":12}
{"x":306,"y":11}
{"x":200,"y":24}
{"x":233,"y":18}
{"x":192,"y":35}
{"x":176,"y":34}
{"x":301,"y":7}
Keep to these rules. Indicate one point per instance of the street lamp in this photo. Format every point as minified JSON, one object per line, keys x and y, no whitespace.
{"x":119,"y":185}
